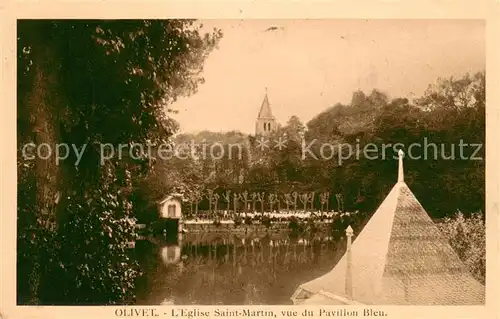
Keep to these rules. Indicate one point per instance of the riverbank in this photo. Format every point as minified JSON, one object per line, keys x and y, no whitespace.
{"x":231,"y":227}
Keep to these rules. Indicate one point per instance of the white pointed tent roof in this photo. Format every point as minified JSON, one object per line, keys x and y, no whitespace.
{"x":399,"y":258}
{"x":265,"y":109}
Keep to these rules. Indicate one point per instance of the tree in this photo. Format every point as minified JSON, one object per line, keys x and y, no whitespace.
{"x":358,"y":99}
{"x":324,"y":200}
{"x":324,"y":126}
{"x":304,"y":199}
{"x":467,"y":236}
{"x":94,"y":83}
{"x":261,"y":198}
{"x":455,"y":94}
{"x":294,"y":129}
{"x":227,"y":198}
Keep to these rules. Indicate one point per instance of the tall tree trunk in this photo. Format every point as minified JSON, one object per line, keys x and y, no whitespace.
{"x":46,"y":169}
{"x":40,"y":103}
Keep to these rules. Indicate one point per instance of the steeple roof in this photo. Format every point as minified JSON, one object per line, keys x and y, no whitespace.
{"x":399,"y":258}
{"x":265,"y":109}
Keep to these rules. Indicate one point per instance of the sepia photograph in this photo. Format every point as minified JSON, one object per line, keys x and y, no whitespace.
{"x":251,"y":162}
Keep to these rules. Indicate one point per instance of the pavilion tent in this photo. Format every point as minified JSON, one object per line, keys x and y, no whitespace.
{"x":399,"y":258}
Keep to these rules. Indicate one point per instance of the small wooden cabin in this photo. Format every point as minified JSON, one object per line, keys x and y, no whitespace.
{"x":170,"y":207}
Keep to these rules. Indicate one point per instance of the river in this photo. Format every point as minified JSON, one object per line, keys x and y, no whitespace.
{"x":231,"y":269}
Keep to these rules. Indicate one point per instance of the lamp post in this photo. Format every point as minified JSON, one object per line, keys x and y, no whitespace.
{"x":348,"y":278}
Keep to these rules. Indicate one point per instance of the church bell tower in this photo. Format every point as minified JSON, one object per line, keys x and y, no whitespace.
{"x":266,"y":122}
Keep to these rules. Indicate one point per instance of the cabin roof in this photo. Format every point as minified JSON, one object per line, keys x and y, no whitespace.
{"x":174,"y":196}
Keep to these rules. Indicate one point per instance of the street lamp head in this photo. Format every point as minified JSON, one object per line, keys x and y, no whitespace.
{"x":349,"y":232}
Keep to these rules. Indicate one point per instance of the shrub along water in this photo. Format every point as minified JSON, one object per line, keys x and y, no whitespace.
{"x":467,"y":236}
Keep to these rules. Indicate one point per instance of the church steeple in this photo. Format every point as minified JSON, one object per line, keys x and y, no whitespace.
{"x":266,"y":122}
{"x":265,"y":109}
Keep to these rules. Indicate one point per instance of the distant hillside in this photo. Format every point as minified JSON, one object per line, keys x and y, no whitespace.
{"x":232,"y":137}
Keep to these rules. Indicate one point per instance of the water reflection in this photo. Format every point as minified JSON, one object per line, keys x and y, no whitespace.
{"x":171,"y":254}
{"x":231,"y":269}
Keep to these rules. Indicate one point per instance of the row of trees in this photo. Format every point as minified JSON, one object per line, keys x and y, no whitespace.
{"x":246,"y":201}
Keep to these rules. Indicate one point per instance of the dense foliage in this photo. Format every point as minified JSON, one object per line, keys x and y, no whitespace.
{"x":451,"y":112}
{"x":467,"y":236}
{"x":88,"y":84}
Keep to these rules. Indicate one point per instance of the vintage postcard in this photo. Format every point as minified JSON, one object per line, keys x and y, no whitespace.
{"x":270,"y":160}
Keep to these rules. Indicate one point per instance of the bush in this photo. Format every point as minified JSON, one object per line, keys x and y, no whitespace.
{"x":237,"y":220}
{"x":311,"y":226}
{"x":338,"y":228}
{"x":86,"y":260}
{"x":266,"y":221}
{"x":248,"y":220}
{"x":467,"y":236}
{"x":95,"y":262}
{"x":295,"y":225}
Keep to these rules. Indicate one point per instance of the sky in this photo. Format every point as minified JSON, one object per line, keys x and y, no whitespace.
{"x":310,"y":65}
